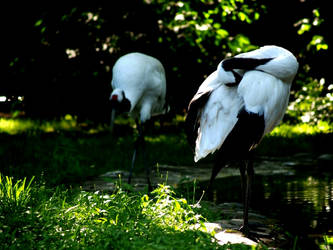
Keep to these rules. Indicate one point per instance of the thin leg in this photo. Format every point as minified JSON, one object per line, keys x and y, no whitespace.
{"x":249,"y":180}
{"x":136,"y":147}
{"x":147,"y":126}
{"x":140,"y":143}
{"x":132,"y":165}
{"x":216,"y":169}
{"x":146,"y":165}
{"x":242,"y":170}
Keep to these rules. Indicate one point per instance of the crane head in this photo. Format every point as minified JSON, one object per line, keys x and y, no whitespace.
{"x":229,"y":77}
{"x":119,"y":103}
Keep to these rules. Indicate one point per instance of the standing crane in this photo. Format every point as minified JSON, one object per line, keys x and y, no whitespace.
{"x":244,"y":99}
{"x":139,"y":88}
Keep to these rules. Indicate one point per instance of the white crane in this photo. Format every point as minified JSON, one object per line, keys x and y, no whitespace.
{"x":139,"y":88}
{"x":244,"y":99}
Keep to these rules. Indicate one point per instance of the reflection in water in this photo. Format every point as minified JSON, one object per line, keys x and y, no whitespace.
{"x":303,"y":202}
{"x":308,"y":198}
{"x":311,"y":190}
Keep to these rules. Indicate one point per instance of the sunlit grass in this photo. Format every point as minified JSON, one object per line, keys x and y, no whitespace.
{"x":287,"y":130}
{"x":13,"y":194}
{"x":92,"y":150}
{"x":75,"y":219}
{"x":11,"y":126}
{"x":69,"y":123}
{"x":15,"y":126}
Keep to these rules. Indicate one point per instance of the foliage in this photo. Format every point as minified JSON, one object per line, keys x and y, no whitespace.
{"x":203,"y":24}
{"x":64,"y":65}
{"x":63,"y":218}
{"x":306,"y":24}
{"x":311,"y":104}
{"x":13,"y":196}
{"x":328,"y":242}
{"x":165,"y":210}
{"x":312,"y":94}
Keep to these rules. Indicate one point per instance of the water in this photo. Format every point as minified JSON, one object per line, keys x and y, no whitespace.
{"x":302,"y":201}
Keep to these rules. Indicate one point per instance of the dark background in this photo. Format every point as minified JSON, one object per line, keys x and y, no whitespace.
{"x":36,"y":36}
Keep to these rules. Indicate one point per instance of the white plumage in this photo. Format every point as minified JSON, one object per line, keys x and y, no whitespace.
{"x":283,"y":65}
{"x":263,"y":90}
{"x":139,"y":88}
{"x":142,"y":79}
{"x":217,"y":118}
{"x":244,"y":99}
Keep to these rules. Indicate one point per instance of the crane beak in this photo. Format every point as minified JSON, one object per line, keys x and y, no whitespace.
{"x":113,"y":115}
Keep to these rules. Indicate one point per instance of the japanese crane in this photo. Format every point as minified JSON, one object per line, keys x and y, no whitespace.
{"x":139,"y":88}
{"x":236,"y":105}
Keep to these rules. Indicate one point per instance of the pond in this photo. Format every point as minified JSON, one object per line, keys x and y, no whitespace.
{"x":300,"y":198}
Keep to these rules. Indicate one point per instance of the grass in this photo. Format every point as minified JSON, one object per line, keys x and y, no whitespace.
{"x":73,"y":219}
{"x":72,"y":154}
{"x":65,"y":152}
{"x":48,"y":213}
{"x":15,"y":126}
{"x":13,"y":195}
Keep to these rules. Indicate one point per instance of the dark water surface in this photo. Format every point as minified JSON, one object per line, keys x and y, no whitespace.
{"x":302,"y":201}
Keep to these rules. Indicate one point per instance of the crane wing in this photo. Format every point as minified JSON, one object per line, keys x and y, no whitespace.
{"x":195,"y":107}
{"x":217,"y":119}
{"x":212,"y":113}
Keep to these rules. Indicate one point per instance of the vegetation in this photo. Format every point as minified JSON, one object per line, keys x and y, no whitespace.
{"x":64,"y":218}
{"x":63,"y":151}
{"x":46,"y":214}
{"x":13,"y":195}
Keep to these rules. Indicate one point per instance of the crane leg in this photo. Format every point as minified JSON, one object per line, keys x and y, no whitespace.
{"x":216,"y":169}
{"x":246,"y":190}
{"x":146,"y":165}
{"x":140,"y":143}
{"x":132,"y":166}
{"x":242,"y":170}
{"x":136,"y":148}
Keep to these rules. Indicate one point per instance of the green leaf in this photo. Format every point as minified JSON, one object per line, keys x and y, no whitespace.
{"x":222,"y":33}
{"x":318,"y":42}
{"x":256,"y":16}
{"x":39,"y":22}
{"x":321,"y":46}
{"x":316,"y":12}
{"x":242,"y":16}
{"x":304,"y":27}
